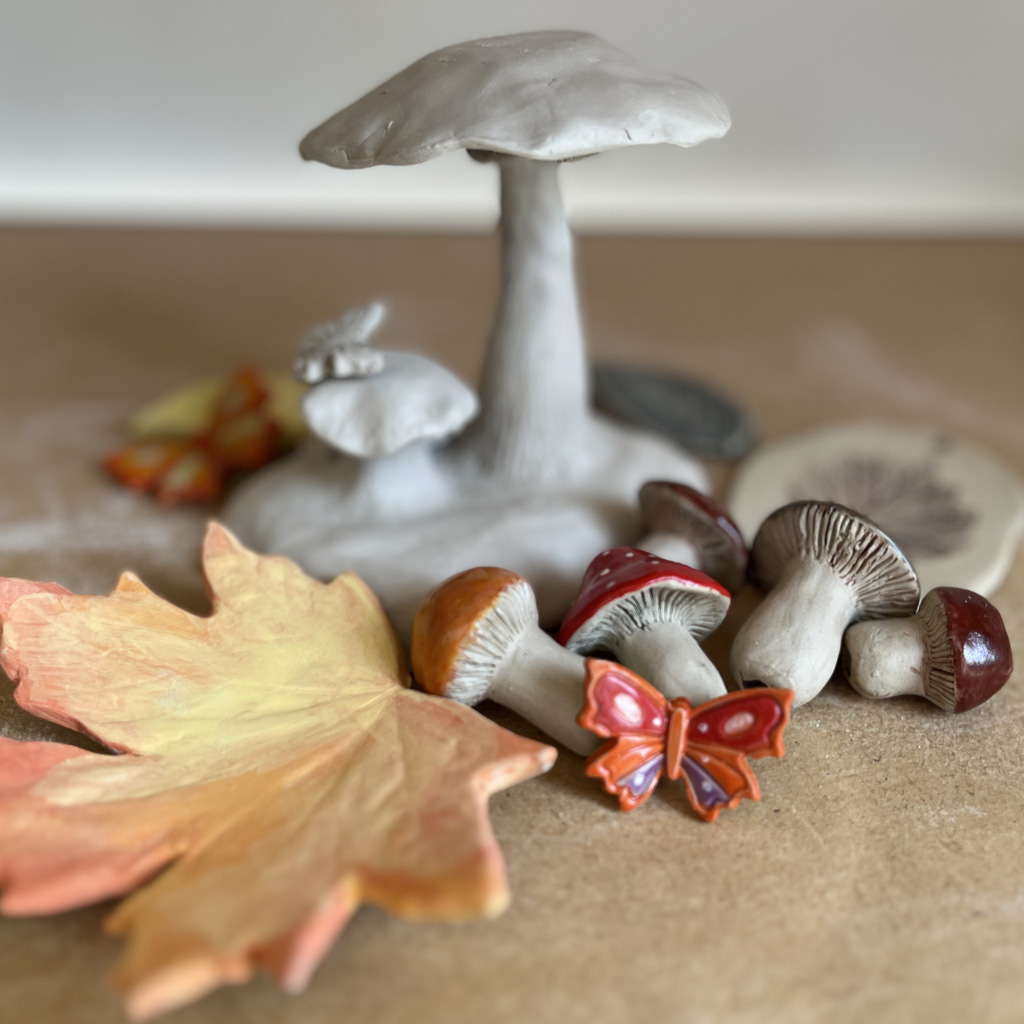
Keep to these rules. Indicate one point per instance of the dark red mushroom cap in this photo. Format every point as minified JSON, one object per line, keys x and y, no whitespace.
{"x":968,"y":651}
{"x":669,"y":507}
{"x":625,"y":589}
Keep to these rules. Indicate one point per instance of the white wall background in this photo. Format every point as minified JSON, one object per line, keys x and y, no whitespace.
{"x":893,"y":116}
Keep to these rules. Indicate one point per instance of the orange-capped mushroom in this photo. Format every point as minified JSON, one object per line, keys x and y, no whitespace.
{"x":476,"y":637}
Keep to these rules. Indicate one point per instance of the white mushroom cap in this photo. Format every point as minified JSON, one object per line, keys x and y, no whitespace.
{"x":542,"y":95}
{"x":411,"y":399}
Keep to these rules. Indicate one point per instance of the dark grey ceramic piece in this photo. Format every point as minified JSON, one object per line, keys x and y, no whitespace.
{"x":703,"y":421}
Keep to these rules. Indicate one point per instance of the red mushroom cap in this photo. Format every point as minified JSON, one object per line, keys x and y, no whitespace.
{"x":969,"y":656}
{"x":676,"y":508}
{"x":620,"y":573}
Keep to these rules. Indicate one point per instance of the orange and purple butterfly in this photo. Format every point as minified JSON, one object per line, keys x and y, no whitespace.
{"x":707,"y":746}
{"x":239,"y":436}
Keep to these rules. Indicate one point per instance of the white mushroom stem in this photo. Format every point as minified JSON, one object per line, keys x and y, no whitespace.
{"x":543,"y":682}
{"x":410,"y":481}
{"x":886,"y":658}
{"x":793,"y":638}
{"x":670,"y":659}
{"x":671,"y":546}
{"x":534,"y":384}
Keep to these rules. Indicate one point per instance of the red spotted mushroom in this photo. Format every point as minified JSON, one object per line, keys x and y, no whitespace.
{"x":476,"y":637}
{"x":651,"y":614}
{"x":825,"y":567}
{"x":954,"y":652}
{"x":689,"y":527}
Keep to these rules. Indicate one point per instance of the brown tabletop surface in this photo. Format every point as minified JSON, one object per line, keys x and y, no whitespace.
{"x":880,"y":878}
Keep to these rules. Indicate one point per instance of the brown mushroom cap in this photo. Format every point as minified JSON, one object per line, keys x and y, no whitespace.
{"x":465,"y":628}
{"x":850,"y":545}
{"x":669,"y":507}
{"x":543,"y":95}
{"x":968,"y":656}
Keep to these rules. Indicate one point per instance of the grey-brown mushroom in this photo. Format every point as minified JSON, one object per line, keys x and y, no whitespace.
{"x":528,"y":102}
{"x":824,"y":567}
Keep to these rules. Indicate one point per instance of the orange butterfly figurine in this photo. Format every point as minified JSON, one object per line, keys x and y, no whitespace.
{"x":240,"y":435}
{"x":650,"y":736}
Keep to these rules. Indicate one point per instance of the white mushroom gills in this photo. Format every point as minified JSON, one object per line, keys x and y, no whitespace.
{"x":513,"y":662}
{"x":654,"y":630}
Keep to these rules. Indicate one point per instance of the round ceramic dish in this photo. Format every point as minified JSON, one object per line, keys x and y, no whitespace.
{"x":955,"y":511}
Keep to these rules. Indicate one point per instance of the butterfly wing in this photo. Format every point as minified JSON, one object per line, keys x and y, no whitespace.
{"x":245,"y":392}
{"x":717,"y":779}
{"x":750,"y":721}
{"x":617,"y":702}
{"x":248,"y":442}
{"x":243,"y":435}
{"x":141,"y":466}
{"x":721,"y":735}
{"x":196,"y":476}
{"x":620,"y":705}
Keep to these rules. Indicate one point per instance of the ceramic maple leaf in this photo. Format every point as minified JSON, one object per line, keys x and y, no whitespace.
{"x":275,"y":768}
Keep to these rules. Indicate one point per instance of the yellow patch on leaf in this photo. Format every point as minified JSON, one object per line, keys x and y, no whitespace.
{"x":275,"y":769}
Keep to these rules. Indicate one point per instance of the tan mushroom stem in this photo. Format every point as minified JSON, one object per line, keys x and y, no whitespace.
{"x":667,"y":655}
{"x":886,"y":658}
{"x":543,"y":682}
{"x":534,"y":385}
{"x":671,"y":546}
{"x":793,"y":638}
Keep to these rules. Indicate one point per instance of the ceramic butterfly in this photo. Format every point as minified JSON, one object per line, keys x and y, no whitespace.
{"x":240,"y":435}
{"x":706,"y":746}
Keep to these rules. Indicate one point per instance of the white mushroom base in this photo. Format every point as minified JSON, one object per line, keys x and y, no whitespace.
{"x":408,"y":521}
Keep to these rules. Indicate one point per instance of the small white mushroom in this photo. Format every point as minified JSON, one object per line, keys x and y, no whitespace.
{"x":953,"y":652}
{"x":411,"y":399}
{"x":692,"y":528}
{"x":826,"y":567}
{"x":651,"y":614}
{"x":341,"y":348}
{"x":476,"y":637}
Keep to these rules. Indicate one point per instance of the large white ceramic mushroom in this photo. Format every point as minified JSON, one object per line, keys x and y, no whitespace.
{"x":538,"y":482}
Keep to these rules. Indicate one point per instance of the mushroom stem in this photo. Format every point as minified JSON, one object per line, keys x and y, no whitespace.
{"x":534,"y":385}
{"x":671,"y":546}
{"x":543,"y":682}
{"x":408,"y":482}
{"x":887,"y":658}
{"x":793,"y":638}
{"x":669,"y":658}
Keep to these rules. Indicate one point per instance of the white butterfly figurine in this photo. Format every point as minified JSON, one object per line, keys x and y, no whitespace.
{"x":342,"y":347}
